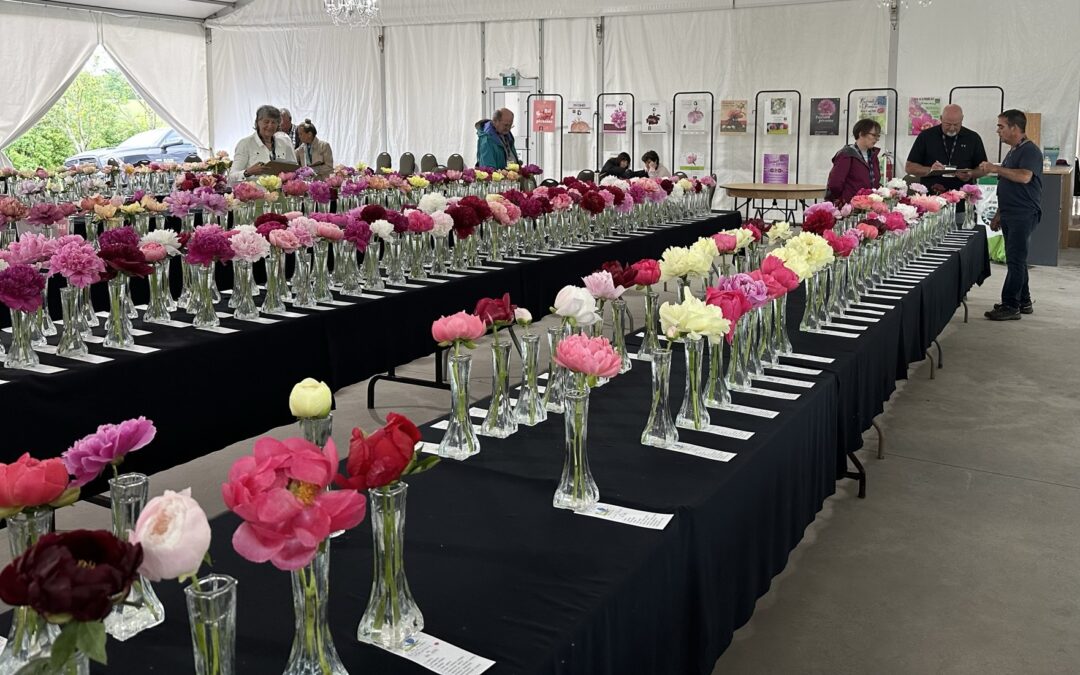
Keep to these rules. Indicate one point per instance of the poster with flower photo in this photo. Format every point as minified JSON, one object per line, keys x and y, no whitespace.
{"x":691,"y":116}
{"x":923,"y":113}
{"x":733,"y":116}
{"x":691,"y":160}
{"x":824,"y":117}
{"x":874,"y":108}
{"x":580,"y":117}
{"x":654,"y":118}
{"x":543,"y":115}
{"x":778,"y":117}
{"x":614,"y":117}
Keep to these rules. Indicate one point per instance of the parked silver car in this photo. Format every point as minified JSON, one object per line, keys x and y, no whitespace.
{"x":156,"y":145}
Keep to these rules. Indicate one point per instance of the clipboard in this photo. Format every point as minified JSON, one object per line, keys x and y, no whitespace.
{"x":948,"y":172}
{"x":280,"y":167}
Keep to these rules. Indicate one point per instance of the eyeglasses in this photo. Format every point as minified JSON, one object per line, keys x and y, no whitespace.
{"x":874,"y":135}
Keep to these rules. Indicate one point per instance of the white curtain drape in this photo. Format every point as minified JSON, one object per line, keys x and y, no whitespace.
{"x":165,"y":61}
{"x":571,"y":53}
{"x":433,"y":90}
{"x":41,"y":70}
{"x":328,"y":75}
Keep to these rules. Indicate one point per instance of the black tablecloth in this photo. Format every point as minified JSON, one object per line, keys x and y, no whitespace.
{"x":207,"y":390}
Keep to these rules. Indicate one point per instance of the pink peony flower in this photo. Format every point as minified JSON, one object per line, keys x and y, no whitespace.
{"x":591,"y":356}
{"x":774,"y":286}
{"x":248,"y":245}
{"x":725,"y":243}
{"x":207,"y":244}
{"x":648,"y":272}
{"x":895,"y":222}
{"x":419,"y":221}
{"x":733,"y":304}
{"x":295,"y":188}
{"x":248,"y":192}
{"x":88,"y":457}
{"x":284,"y":239}
{"x":776,"y":268}
{"x":303,"y":234}
{"x":358,"y":232}
{"x":78,"y":262}
{"x":602,"y":286}
{"x":151,"y":250}
{"x":330,"y":232}
{"x":30,"y":249}
{"x":21,"y":287}
{"x":460,"y":328}
{"x":280,"y":493}
{"x":174,"y":535}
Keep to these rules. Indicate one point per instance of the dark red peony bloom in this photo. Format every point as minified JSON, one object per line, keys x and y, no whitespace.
{"x":379,"y":459}
{"x":125,"y":259}
{"x":495,"y":311}
{"x":72,"y":576}
{"x":616,"y":192}
{"x":479,"y":206}
{"x":592,"y":202}
{"x":620,"y":275}
{"x":818,"y":221}
{"x":121,"y":235}
{"x":667,"y":185}
{"x":515,"y":197}
{"x":372,"y":212}
{"x":398,"y":220}
{"x":531,"y":208}
{"x":465,"y":220}
{"x":271,"y":218}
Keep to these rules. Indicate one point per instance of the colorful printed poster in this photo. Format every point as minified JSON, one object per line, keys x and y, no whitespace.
{"x":924,"y":113}
{"x":691,"y":116}
{"x":654,"y":118}
{"x":733,"y":116}
{"x":775,"y":169}
{"x":543,"y":116}
{"x":581,"y":113}
{"x":778,"y":117}
{"x":614,"y":117}
{"x":692,"y":160}
{"x":824,"y":117}
{"x":874,"y":108}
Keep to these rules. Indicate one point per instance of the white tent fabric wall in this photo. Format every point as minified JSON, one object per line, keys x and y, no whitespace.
{"x":31,"y":86}
{"x":512,"y":44}
{"x":433,"y":90}
{"x":570,"y":68}
{"x":1029,"y":49}
{"x":165,"y":61}
{"x":329,"y":75}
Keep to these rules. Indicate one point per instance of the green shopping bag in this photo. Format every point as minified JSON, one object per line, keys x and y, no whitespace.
{"x":997,"y":248}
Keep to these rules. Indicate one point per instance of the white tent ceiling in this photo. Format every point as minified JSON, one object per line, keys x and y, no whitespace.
{"x":179,"y":9}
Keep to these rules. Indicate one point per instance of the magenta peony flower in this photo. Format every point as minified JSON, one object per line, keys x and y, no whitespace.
{"x":78,"y":262}
{"x":21,"y":287}
{"x":181,"y":203}
{"x":755,"y":291}
{"x":46,"y":214}
{"x":207,"y":244}
{"x":319,"y":191}
{"x":121,"y":235}
{"x":88,"y":457}
{"x":358,"y":232}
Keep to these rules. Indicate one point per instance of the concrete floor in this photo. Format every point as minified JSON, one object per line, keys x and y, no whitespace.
{"x":963,"y":558}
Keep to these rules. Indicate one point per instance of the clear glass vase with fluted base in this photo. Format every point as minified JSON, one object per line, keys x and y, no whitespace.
{"x":46,"y":326}
{"x":141,"y":609}
{"x":556,"y":383}
{"x":418,"y":251}
{"x":460,"y":440}
{"x":530,"y":409}
{"x":780,"y":328}
{"x":650,"y":343}
{"x":71,"y":340}
{"x":754,"y":335}
{"x":202,"y":297}
{"x":392,"y":615}
{"x":273,"y":301}
{"x":301,"y":280}
{"x":838,"y":281}
{"x":660,"y":430}
{"x":242,"y":302}
{"x":90,"y":317}
{"x":393,"y":259}
{"x":440,"y":258}
{"x":21,"y":353}
{"x":577,"y":490}
{"x":211,"y":605}
{"x":320,"y":274}
{"x":345,"y":265}
{"x":157,"y":311}
{"x":692,"y":412}
{"x":372,"y":278}
{"x":766,"y":345}
{"x":313,"y":651}
{"x":117,"y":323}
{"x":716,"y":391}
{"x":810,"y":321}
{"x":618,"y":334}
{"x":738,"y":374}
{"x":500,"y":421}
{"x":31,"y":637}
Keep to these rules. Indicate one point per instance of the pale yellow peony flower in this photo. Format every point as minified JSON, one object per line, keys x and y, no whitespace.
{"x":496,"y":176}
{"x":513,"y":175}
{"x":706,"y":246}
{"x":693,"y":318}
{"x":269,"y":183}
{"x":132,"y":209}
{"x":685,"y":184}
{"x":386,"y":170}
{"x":362,"y":166}
{"x":513,"y":166}
{"x":794,"y":261}
{"x":780,"y":231}
{"x":418,"y":181}
{"x":150,"y":203}
{"x":104,"y":211}
{"x":743,"y":238}
{"x":482,"y":175}
{"x":680,"y":261}
{"x":272,"y":196}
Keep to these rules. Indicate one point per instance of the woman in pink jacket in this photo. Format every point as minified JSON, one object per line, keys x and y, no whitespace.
{"x":856,"y":166}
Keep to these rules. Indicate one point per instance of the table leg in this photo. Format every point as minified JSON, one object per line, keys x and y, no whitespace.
{"x":880,"y":439}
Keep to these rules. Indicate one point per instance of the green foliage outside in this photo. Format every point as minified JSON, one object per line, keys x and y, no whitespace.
{"x":98,"y":110}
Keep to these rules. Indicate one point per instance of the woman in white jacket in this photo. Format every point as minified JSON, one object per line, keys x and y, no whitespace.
{"x":265,"y":145}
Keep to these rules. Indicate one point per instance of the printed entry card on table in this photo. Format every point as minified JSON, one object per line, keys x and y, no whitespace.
{"x":441,"y":657}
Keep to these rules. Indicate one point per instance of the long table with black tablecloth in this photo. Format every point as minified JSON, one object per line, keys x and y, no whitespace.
{"x":205,"y":390}
{"x":499,"y":572}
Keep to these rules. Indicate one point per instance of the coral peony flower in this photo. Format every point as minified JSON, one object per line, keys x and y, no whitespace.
{"x":590,"y":356}
{"x":647,"y":272}
{"x":31,"y":482}
{"x":458,"y":329}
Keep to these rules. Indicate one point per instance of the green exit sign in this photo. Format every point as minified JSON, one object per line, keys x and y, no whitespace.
{"x":509,"y":80}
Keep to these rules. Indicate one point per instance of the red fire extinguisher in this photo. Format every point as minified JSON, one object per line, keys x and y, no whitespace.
{"x":887,"y":167}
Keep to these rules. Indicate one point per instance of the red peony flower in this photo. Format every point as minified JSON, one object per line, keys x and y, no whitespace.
{"x":465,"y":220}
{"x":380,"y":459}
{"x":123,"y":259}
{"x":818,"y":221}
{"x":495,"y":311}
{"x":31,"y":482}
{"x":621,"y":276}
{"x":593,"y":203}
{"x":372,"y":212}
{"x":648,"y":271}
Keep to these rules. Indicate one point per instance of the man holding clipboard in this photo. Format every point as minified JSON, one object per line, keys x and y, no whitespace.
{"x":948,"y":154}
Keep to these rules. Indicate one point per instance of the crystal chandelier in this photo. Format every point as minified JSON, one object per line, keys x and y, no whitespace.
{"x":352,"y":13}
{"x":903,"y":4}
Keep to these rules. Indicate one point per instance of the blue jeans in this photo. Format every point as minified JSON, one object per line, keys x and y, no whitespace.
{"x":1017,"y":229}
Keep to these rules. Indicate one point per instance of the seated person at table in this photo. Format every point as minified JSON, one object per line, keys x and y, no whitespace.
{"x":618,"y":166}
{"x":653,"y":167}
{"x":265,"y":145}
{"x":314,"y":152}
{"x":855,"y":166}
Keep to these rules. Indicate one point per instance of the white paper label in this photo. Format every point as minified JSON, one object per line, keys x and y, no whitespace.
{"x":430,"y":448}
{"x":392,"y":290}
{"x":441,"y":657}
{"x":291,"y":315}
{"x":173,"y":323}
{"x":784,"y":380}
{"x":472,"y":271}
{"x":218,"y":329}
{"x":872,"y":304}
{"x":890,"y":292}
{"x":438,"y":281}
{"x":43,"y":368}
{"x":338,"y":303}
{"x":258,"y":319}
{"x":89,"y":358}
{"x":845,"y":326}
{"x":627,"y":516}
{"x":836,"y":333}
{"x":138,"y":349}
{"x":93,"y":339}
{"x":809,"y":357}
{"x":871,"y":312}
{"x":136,"y":332}
{"x":879,"y":297}
{"x":368,"y":296}
{"x":851,"y":317}
{"x":317,"y":308}
{"x":489,"y":267}
{"x":769,"y":393}
{"x":746,"y":410}
{"x":794,"y":369}
{"x":717,"y":430}
{"x":699,"y":451}
{"x":443,"y":424}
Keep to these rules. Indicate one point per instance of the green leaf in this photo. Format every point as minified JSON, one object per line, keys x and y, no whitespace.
{"x":69,"y":497}
{"x":64,"y":646}
{"x":91,"y":640}
{"x":420,"y":465}
{"x":206,"y":559}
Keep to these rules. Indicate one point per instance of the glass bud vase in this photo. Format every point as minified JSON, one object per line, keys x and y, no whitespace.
{"x":660,"y":431}
{"x":810,"y":321}
{"x":556,"y":383}
{"x":837,"y":287}
{"x":530,"y":409}
{"x":21,"y":354}
{"x":440,"y":256}
{"x":71,"y":341}
{"x":30,"y":636}
{"x":301,"y":280}
{"x":618,"y":333}
{"x":211,"y":604}
{"x":244,"y":281}
{"x":202,"y":297}
{"x":649,"y":343}
{"x":418,"y":249}
{"x":273,"y":300}
{"x":90,"y":318}
{"x":118,"y":324}
{"x":317,"y":430}
{"x":459,"y":441}
{"x":692,"y":413}
{"x":320,"y":283}
{"x":141,"y":609}
{"x":754,"y":335}
{"x":716,"y":391}
{"x":156,"y":309}
{"x":392,"y":616}
{"x":395,"y":267}
{"x":345,"y":264}
{"x":738,"y":376}
{"x":577,"y":490}
{"x":500,"y":421}
{"x":372,"y":279}
{"x":45,"y":322}
{"x":766,"y":346}
{"x":313,"y":651}
{"x":780,"y":331}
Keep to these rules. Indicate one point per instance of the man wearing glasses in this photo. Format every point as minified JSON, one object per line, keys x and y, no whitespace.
{"x":494,"y":141}
{"x":948,"y":145}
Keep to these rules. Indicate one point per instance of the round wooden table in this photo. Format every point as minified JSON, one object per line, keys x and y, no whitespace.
{"x":774,"y":193}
